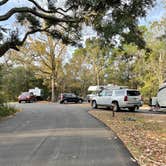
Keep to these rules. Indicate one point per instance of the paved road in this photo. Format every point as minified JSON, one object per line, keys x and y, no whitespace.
{"x":59,"y":135}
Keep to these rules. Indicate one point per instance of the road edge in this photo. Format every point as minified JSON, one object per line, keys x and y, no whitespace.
{"x":118,"y":138}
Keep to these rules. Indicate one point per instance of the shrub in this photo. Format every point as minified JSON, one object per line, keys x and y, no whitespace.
{"x":6,"y":110}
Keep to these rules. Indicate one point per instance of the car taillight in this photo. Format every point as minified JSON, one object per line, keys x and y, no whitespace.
{"x":126,"y":98}
{"x":142,"y":98}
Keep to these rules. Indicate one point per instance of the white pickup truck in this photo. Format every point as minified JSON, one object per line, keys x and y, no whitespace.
{"x":118,"y":98}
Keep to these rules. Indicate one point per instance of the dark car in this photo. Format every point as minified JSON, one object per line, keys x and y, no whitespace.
{"x":27,"y":97}
{"x":69,"y":97}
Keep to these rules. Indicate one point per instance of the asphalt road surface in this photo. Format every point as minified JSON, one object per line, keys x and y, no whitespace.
{"x":46,"y":134}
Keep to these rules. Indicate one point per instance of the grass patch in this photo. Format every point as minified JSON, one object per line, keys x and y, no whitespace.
{"x":143,"y":134}
{"x":7,"y":110}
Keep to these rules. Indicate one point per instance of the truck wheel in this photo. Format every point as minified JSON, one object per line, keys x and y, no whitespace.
{"x":115,"y":106}
{"x":80,"y":101}
{"x":94,"y":104}
{"x":65,"y":102}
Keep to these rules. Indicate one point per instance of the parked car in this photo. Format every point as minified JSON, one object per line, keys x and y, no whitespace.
{"x":69,"y":97}
{"x":27,"y":97}
{"x":118,"y":98}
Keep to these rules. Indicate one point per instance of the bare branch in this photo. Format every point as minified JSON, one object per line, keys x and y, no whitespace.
{"x":32,"y":32}
{"x":15,"y":44}
{"x":39,"y":7}
{"x":34,"y":12}
{"x":70,"y":8}
{"x":62,"y":27}
{"x":46,"y":11}
{"x":44,"y":61}
{"x":42,"y":71}
{"x":61,"y":51}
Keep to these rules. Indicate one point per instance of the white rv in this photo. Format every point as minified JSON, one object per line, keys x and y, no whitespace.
{"x":161,"y":96}
{"x":37,"y":92}
{"x":160,"y":99}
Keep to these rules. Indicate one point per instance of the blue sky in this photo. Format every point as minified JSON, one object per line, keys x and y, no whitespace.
{"x":155,"y":13}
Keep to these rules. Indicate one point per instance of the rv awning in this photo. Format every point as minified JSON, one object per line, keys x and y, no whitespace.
{"x":93,"y":88}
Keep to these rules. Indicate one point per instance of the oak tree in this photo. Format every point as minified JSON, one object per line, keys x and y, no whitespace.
{"x":108,"y":17}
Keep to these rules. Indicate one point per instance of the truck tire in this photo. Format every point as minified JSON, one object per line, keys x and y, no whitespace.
{"x":115,"y":106}
{"x":65,"y":102}
{"x":94,"y":104}
{"x":80,"y":101}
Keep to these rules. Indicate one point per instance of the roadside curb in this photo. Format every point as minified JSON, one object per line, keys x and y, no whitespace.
{"x":122,"y":144}
{"x":7,"y":117}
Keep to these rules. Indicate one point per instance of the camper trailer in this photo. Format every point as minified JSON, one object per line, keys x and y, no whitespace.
{"x":160,"y":100}
{"x":161,"y":96}
{"x":37,"y":92}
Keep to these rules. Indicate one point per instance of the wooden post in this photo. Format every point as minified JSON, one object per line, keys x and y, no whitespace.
{"x":113,"y":110}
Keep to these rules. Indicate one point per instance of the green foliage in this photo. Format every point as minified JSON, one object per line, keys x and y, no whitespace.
{"x":6,"y":110}
{"x":108,"y":17}
{"x":136,"y":68}
{"x":24,"y":17}
{"x":96,"y":63}
{"x":97,"y":56}
{"x":78,"y":75}
{"x":2,"y":99}
{"x":12,"y":83}
{"x":49,"y":57}
{"x":121,"y":66}
{"x":121,"y":20}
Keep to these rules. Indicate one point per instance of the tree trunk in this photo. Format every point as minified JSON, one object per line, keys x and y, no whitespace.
{"x":98,"y":79}
{"x":53,"y":88}
{"x":160,"y":68}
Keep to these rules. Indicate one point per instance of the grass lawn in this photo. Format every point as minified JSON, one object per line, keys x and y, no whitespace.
{"x":143,"y":134}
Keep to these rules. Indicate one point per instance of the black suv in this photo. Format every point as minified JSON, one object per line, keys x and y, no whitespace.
{"x":69,"y":97}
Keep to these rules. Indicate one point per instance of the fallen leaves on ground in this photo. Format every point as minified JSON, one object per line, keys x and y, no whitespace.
{"x":143,"y":134}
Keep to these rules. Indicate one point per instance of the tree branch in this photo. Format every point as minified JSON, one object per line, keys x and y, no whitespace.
{"x":46,"y":11}
{"x":34,"y":12}
{"x":39,"y":7}
{"x":42,"y":71}
{"x":32,"y":32}
{"x":3,"y":2}
{"x":6,"y":46}
{"x":70,"y":8}
{"x":16,"y":43}
{"x":44,"y":62}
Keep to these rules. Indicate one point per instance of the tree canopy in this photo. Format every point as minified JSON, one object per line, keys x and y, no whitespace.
{"x":108,"y":17}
